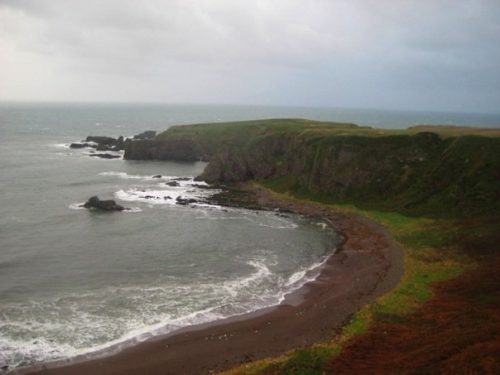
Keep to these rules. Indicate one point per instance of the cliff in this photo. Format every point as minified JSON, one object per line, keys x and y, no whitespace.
{"x":440,"y":172}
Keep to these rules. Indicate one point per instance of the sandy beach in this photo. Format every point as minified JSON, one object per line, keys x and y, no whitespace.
{"x":365,"y":264}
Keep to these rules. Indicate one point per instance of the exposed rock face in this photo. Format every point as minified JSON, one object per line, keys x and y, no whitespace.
{"x":102,"y":143}
{"x":181,"y":150}
{"x":106,"y":156}
{"x":412,"y":173}
{"x":103,"y":205}
{"x":184,"y":201}
{"x":100,"y":140}
{"x":421,"y":172}
{"x":79,"y":145}
{"x":148,"y":134}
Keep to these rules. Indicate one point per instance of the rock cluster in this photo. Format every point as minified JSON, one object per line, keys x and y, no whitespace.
{"x":103,"y":205}
{"x":104,"y":143}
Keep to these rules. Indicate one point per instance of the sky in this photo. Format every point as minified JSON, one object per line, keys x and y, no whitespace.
{"x":441,"y":55}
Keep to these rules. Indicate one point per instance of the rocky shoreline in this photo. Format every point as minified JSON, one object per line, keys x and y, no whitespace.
{"x":106,"y":143}
{"x":366,"y":264}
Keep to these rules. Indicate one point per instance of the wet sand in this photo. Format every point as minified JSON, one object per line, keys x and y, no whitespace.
{"x":366,"y":264}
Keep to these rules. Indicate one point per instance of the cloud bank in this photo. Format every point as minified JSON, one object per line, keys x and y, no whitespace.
{"x":438,"y":55}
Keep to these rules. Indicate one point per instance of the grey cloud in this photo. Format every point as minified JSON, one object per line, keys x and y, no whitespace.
{"x":338,"y":52}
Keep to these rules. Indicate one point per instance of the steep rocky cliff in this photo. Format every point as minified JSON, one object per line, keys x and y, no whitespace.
{"x":175,"y":149}
{"x":401,"y":170}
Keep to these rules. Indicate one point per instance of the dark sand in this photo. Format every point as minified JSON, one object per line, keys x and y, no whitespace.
{"x":366,"y":264}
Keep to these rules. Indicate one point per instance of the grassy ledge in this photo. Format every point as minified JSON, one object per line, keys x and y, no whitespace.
{"x":432,"y":254}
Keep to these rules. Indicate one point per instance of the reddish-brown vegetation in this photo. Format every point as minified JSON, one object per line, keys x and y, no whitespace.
{"x":457,"y":331}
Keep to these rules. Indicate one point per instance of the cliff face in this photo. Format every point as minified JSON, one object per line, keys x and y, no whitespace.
{"x":175,"y":149}
{"x":420,"y":173}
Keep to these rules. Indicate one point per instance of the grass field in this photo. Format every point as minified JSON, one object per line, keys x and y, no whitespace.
{"x":438,"y":253}
{"x":436,"y":189}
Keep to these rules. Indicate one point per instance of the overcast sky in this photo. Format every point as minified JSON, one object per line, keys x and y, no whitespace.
{"x":427,"y":54}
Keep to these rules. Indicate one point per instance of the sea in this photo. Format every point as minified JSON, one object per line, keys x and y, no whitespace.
{"x":76,"y":282}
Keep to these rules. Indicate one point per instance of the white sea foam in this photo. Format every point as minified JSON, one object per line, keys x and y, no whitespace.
{"x":150,"y":311}
{"x":163,"y":194}
{"x":161,"y":180}
{"x":122,"y":175}
{"x":260,"y":218}
{"x":77,"y":206}
{"x":132,"y":210}
{"x":60,"y":145}
{"x":298,"y":279}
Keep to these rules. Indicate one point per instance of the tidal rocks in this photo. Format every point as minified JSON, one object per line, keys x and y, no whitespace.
{"x":172,"y":183}
{"x":157,"y":176}
{"x":184,"y":201}
{"x":148,"y":134}
{"x":79,"y":145}
{"x":103,"y":205}
{"x":102,"y":143}
{"x":101,"y":140}
{"x":106,"y":156}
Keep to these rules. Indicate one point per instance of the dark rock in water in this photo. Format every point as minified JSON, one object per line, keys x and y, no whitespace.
{"x":184,"y":201}
{"x":101,"y":140}
{"x":4,"y":368}
{"x":149,"y":197}
{"x":104,"y":205}
{"x":167,"y":197}
{"x":148,"y":134}
{"x":102,"y":143}
{"x":106,"y":156}
{"x":172,"y":183}
{"x":181,"y":179}
{"x":119,"y":144}
{"x":79,"y":145}
{"x":236,"y":198}
{"x":157,"y":176}
{"x":103,"y":147}
{"x":205,"y":186}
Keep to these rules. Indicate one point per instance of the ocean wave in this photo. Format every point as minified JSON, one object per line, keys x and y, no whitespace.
{"x":126,"y":176}
{"x":77,"y":206}
{"x":59,"y":145}
{"x":74,"y":325}
{"x":259,"y":218}
{"x":165,"y":196}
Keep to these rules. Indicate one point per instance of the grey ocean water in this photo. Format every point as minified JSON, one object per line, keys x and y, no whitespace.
{"x":73,"y":281}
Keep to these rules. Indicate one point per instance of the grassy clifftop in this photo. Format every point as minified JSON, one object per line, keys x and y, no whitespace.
{"x":447,"y":301}
{"x":431,"y":170}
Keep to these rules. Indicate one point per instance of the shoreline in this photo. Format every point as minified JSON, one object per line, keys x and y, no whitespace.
{"x":366,"y":264}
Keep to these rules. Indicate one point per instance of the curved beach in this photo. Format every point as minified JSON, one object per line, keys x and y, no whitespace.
{"x":366,"y":264}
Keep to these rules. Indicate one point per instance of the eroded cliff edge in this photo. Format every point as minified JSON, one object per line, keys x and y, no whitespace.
{"x":422,"y":170}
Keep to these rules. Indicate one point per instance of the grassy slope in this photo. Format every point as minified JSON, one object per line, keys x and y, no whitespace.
{"x":444,"y":314}
{"x":240,"y":132}
{"x":429,"y":322}
{"x":460,"y":165}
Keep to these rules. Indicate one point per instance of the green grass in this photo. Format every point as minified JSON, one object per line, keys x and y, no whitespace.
{"x":450,"y":172}
{"x":240,"y":130}
{"x":430,"y":255}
